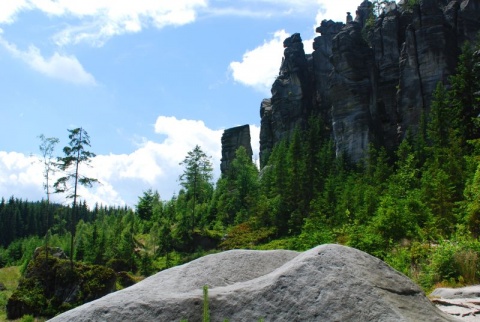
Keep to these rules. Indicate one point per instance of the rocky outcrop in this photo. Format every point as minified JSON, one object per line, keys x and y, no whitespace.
{"x":292,"y":97}
{"x":232,"y":139}
{"x":463,"y":302}
{"x":350,"y":91}
{"x":429,"y":55}
{"x":370,"y":80}
{"x":326,"y":283}
{"x":322,"y":46}
{"x":50,"y":285}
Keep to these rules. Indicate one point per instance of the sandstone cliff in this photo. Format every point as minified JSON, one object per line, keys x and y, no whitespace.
{"x":371,"y":80}
{"x":232,"y":139}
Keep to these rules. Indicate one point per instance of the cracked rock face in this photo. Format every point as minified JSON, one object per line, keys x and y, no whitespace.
{"x":326,"y":283}
{"x":232,"y":139}
{"x":371,"y":82}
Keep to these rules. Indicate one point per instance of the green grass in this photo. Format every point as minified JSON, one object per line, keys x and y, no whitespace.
{"x":9,"y":276}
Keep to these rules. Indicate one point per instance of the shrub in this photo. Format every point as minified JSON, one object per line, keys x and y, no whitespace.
{"x":118,"y":265}
{"x":452,"y":263}
{"x":51,"y":287}
{"x":27,"y":318}
{"x":244,"y":236}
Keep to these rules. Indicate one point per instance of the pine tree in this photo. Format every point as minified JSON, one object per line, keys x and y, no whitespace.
{"x":196,"y":180}
{"x":75,"y":155}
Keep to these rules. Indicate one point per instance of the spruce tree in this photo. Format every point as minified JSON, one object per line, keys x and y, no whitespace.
{"x":75,"y":155}
{"x":196,"y":180}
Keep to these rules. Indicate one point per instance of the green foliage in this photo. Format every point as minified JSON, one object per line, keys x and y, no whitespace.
{"x":196,"y":180}
{"x":75,"y":155}
{"x":244,"y":236}
{"x":46,"y":286}
{"x":28,"y":318}
{"x":236,"y":191}
{"x":206,"y":309}
{"x":472,"y":204}
{"x":9,"y":277}
{"x":315,"y":231}
{"x":416,"y":207}
{"x":410,"y":4}
{"x":453,"y":264}
{"x":147,"y":203}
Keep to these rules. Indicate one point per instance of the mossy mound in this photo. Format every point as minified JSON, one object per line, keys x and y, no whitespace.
{"x":50,"y":286}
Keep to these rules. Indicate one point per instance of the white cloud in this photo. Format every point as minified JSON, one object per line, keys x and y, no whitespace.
{"x":255,"y":141}
{"x":260,"y":66}
{"x":337,"y":10}
{"x":123,"y":177}
{"x":102,"y":19}
{"x":9,"y":8}
{"x":64,"y":67}
{"x":20,"y":173}
{"x":183,"y":135}
{"x":261,"y":8}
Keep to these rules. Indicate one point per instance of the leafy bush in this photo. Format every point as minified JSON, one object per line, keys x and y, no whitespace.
{"x":452,"y":263}
{"x":315,"y":232}
{"x":244,"y":236}
{"x":118,"y":265}
{"x":50,"y":287}
{"x":410,"y":4}
{"x":27,"y":318}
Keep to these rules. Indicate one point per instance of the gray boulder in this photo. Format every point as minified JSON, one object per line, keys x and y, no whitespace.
{"x":463,"y":302}
{"x":472,"y":291}
{"x":326,"y":283}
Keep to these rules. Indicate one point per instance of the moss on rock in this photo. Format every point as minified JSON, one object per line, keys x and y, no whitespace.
{"x":49,"y":286}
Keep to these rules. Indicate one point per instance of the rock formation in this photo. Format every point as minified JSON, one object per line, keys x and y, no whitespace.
{"x":49,"y":285}
{"x":232,"y":139}
{"x":371,"y":80}
{"x":326,"y":283}
{"x":292,"y":96}
{"x":463,"y":302}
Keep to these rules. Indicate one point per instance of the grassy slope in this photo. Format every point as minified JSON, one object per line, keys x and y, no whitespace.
{"x":9,"y":276}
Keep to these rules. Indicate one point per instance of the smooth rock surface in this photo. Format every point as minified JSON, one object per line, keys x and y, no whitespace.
{"x":457,"y":293}
{"x":463,"y":302}
{"x":326,"y":283}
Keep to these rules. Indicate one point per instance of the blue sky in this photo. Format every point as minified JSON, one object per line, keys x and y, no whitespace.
{"x":147,"y":79}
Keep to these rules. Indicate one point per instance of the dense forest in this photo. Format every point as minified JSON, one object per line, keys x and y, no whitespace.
{"x":417,"y":208}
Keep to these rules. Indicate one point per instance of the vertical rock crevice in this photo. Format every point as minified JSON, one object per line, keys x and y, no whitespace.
{"x":369,"y":82}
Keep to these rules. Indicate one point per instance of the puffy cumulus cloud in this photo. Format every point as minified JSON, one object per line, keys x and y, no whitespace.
{"x":19,"y":172}
{"x":9,"y":9}
{"x":260,"y":66}
{"x":100,"y":19}
{"x":124,"y":177}
{"x":62,"y":67}
{"x":154,"y":165}
{"x":183,"y":135}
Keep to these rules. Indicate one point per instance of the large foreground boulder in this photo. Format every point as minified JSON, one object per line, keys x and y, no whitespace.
{"x":326,"y":283}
